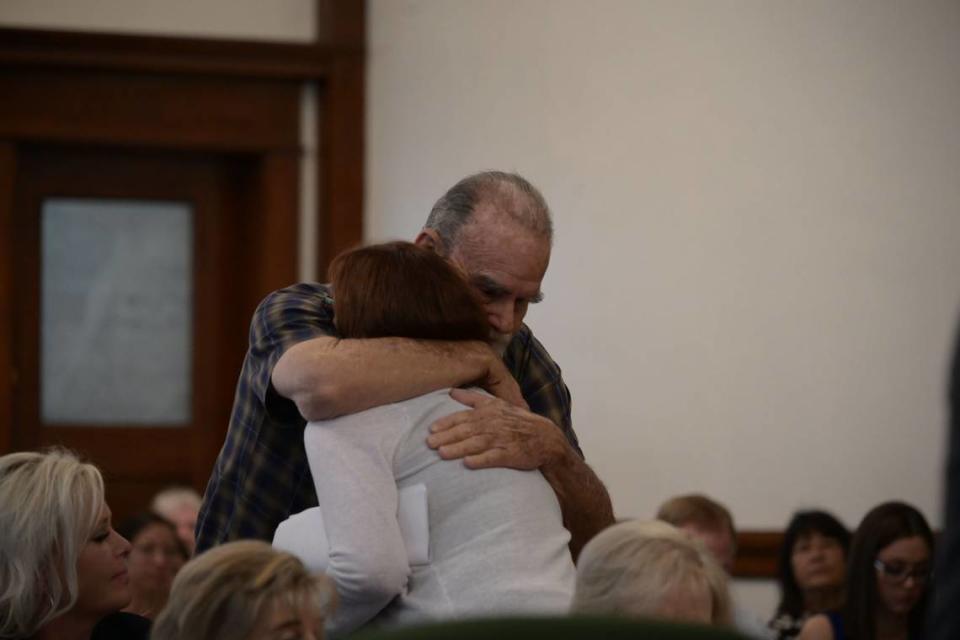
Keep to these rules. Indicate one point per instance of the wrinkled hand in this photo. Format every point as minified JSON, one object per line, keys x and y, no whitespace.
{"x":499,"y":382}
{"x":496,"y":434}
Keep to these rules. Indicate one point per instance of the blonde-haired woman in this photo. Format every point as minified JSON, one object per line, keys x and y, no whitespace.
{"x":245,"y":590}
{"x":63,"y":568}
{"x":650,"y":570}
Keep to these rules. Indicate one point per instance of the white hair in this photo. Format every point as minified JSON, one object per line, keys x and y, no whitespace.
{"x":171,"y":499}
{"x":50,"y":503}
{"x":630,"y":569}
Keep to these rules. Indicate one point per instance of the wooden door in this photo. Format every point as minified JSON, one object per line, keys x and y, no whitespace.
{"x":138,"y":455}
{"x":207,"y":127}
{"x":106,"y":140}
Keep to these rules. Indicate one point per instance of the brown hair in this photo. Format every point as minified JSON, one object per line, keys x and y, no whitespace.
{"x":698,"y":510}
{"x":404,"y":290}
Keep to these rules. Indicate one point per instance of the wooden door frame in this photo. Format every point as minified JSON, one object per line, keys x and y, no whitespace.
{"x":246,"y":76}
{"x":335,"y":62}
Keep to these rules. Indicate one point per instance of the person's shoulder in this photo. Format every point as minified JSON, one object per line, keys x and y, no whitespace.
{"x":525,"y":350}
{"x":304,"y":304}
{"x":748,"y":624}
{"x":313,"y":291}
{"x":122,"y":626}
{"x":818,"y":627}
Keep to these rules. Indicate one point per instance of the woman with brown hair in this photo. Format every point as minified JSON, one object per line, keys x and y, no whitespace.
{"x":496,"y":538}
{"x":156,"y":555}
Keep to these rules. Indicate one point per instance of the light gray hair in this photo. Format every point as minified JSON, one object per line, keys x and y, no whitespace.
{"x":173,"y":498}
{"x":628,"y":568}
{"x":508,"y":193}
{"x":50,"y":503}
{"x":222,"y":593}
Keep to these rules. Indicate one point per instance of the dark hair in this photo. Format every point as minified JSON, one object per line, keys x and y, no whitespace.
{"x":801,"y":525}
{"x":132,"y":526}
{"x":882,"y":526}
{"x":403,"y":290}
{"x":509,"y":193}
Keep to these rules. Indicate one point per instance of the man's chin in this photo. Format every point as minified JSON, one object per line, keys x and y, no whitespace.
{"x":499,"y":342}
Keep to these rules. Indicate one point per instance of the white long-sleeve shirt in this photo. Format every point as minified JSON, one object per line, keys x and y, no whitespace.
{"x":496,"y":539}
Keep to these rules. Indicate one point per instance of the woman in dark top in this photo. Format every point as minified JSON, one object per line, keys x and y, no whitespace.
{"x":888,"y":580}
{"x":156,"y":556}
{"x":811,"y":571}
{"x":63,"y":572}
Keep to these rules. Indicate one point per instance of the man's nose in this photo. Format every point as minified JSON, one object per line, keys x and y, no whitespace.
{"x":501,"y":316}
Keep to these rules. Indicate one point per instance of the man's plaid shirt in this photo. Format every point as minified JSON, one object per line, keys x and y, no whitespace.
{"x":261,"y":476}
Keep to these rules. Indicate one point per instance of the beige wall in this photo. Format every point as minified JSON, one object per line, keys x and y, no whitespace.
{"x":757,"y":204}
{"x":757,"y":264}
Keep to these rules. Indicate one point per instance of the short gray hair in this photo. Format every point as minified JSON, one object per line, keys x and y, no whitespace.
{"x":509,"y":193}
{"x":222,"y":593}
{"x":170,"y":499}
{"x":628,"y":568}
{"x":50,"y":503}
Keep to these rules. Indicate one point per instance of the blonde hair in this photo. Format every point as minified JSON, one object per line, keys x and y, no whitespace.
{"x":50,"y":503}
{"x":630,"y":567}
{"x":223,"y":592}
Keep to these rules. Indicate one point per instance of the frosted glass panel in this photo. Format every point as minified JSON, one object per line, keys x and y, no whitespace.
{"x":116,"y":318}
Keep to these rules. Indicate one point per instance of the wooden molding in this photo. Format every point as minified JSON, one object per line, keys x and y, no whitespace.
{"x":8,"y":372}
{"x":340,"y":136}
{"x":757,"y":553}
{"x":167,"y":111}
{"x":163,"y":54}
{"x":335,"y":62}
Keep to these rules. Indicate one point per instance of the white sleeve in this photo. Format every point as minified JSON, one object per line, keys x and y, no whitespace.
{"x":305,"y":535}
{"x":351,"y":459}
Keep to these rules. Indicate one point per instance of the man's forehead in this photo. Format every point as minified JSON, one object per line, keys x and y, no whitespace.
{"x":502,"y":247}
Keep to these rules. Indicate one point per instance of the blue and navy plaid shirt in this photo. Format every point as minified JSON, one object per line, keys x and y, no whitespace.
{"x":261,"y":476}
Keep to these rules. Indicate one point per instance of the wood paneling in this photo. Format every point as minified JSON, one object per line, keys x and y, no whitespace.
{"x":8,"y":373}
{"x":185,"y":56}
{"x":215,"y":123}
{"x":342,"y":26}
{"x":162,"y":111}
{"x":341,"y":144}
{"x":335,"y":64}
{"x":757,"y":554}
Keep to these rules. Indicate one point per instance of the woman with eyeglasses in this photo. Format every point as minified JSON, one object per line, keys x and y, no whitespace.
{"x":888,"y":580}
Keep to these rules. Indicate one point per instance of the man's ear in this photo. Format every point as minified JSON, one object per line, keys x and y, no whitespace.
{"x":430,"y":239}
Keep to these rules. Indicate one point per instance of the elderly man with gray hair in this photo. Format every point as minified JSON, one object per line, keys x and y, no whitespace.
{"x":496,"y":228}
